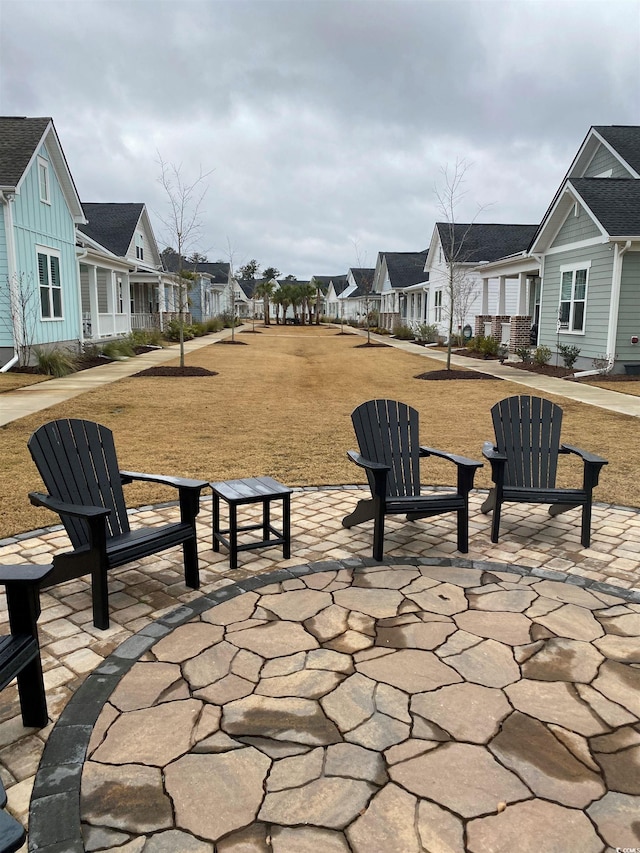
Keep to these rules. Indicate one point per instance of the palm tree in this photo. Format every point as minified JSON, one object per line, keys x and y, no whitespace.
{"x":266,"y":289}
{"x":285,"y":298}
{"x":308,"y":294}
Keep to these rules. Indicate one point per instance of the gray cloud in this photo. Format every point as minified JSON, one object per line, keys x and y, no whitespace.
{"x":326,"y":122}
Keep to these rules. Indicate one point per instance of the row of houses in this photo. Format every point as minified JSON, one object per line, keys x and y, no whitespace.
{"x":74,"y":272}
{"x":573,"y":280}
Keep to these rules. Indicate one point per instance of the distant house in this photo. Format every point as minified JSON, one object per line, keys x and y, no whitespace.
{"x":333,"y":306}
{"x":39,"y":293}
{"x":469,"y":248}
{"x":400,"y":280}
{"x":209,"y":292}
{"x":583,"y":262}
{"x":358,"y":299}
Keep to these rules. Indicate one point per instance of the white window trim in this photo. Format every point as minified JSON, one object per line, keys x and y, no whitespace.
{"x":44,"y":166}
{"x":49,"y":253}
{"x":572,"y":268}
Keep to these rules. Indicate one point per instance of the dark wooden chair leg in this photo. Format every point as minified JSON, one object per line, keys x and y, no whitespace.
{"x":286,"y":526}
{"x":216,"y":520}
{"x":585,"y":537}
{"x":495,"y":521}
{"x":463,"y":530}
{"x":378,"y":529}
{"x":233,"y":536}
{"x":190,"y":553}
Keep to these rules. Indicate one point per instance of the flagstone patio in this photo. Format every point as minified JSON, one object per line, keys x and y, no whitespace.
{"x":331,"y":703}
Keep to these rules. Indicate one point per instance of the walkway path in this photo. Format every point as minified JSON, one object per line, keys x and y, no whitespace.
{"x":34,"y":398}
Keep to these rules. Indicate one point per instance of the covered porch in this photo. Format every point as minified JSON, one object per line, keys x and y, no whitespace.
{"x":519,"y":275}
{"x":104,"y":288}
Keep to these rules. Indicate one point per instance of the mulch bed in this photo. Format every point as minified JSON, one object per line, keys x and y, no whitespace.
{"x":455,"y":374}
{"x":543,"y":369}
{"x":372,"y":344}
{"x":229,"y":341}
{"x":165,"y":370}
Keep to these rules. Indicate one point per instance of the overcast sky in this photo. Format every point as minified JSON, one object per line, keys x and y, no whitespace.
{"x":327,"y":123}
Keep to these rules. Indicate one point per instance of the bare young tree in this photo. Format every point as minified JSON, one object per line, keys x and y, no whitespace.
{"x":19,"y":313}
{"x":457,"y":254}
{"x":183,"y":223}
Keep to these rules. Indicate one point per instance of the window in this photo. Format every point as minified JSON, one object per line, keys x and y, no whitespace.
{"x":573,"y":296}
{"x":139,"y":247}
{"x":50,"y":289}
{"x":437,"y":306}
{"x":43,"y":180}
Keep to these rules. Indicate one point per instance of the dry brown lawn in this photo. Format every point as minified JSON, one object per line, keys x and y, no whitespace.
{"x":12,"y":381}
{"x":280,"y":407}
{"x":622,"y":386}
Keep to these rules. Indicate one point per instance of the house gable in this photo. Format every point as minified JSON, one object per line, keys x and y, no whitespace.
{"x":125,"y":230}
{"x":577,"y":226}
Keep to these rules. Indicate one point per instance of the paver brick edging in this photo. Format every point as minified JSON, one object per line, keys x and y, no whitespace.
{"x":54,"y":814}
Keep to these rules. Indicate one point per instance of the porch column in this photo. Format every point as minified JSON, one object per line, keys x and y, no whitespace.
{"x":522,"y":294}
{"x":501,"y":294}
{"x":112,"y":297}
{"x":94,"y":313}
{"x":484,"y":307}
{"x":126,"y":298}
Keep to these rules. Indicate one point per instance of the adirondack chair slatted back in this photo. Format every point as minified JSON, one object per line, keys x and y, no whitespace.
{"x":387,"y":431}
{"x":78,"y":464}
{"x":528,"y":434}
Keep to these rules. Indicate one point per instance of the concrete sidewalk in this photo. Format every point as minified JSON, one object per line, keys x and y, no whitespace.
{"x":33,"y":398}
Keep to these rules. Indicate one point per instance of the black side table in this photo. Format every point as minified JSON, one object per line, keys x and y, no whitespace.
{"x":248,"y":491}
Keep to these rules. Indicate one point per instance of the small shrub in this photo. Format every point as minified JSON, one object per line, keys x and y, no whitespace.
{"x":503,"y":353}
{"x":475,"y":344}
{"x":569,"y":354}
{"x":524,"y":354}
{"x":489,"y":346}
{"x":55,"y":362}
{"x":172,"y":331}
{"x":403,"y":332}
{"x":118,"y":349}
{"x":145,"y":338}
{"x":214,"y":325}
{"x":542,"y":356}
{"x":427,"y":333}
{"x":199,"y":329}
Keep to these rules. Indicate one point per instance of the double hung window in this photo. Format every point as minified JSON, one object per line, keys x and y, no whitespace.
{"x":437,"y":306}
{"x":573,"y":299}
{"x":50,"y":286}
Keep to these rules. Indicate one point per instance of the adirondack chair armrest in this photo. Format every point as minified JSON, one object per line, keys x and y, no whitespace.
{"x":175,"y":482}
{"x":498,"y":461}
{"x":360,"y":460}
{"x":591,"y":458}
{"x":466,"y":467}
{"x":23,"y":574}
{"x":62,"y":508}
{"x":461,"y":461}
{"x":592,"y":464}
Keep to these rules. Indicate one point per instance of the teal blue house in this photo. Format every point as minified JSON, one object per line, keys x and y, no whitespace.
{"x":39,"y":210}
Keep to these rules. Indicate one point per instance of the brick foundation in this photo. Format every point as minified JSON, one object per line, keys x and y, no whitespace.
{"x":520,"y":331}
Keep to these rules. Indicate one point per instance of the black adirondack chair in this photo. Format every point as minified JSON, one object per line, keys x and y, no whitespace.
{"x":524,"y":462}
{"x":77,"y":461}
{"x":390,"y":452}
{"x":20,"y":650}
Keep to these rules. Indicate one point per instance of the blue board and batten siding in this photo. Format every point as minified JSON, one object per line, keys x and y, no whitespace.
{"x":36,"y":223}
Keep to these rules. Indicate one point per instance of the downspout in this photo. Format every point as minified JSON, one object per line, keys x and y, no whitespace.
{"x":616,"y":284}
{"x":5,"y":199}
{"x":81,"y":254}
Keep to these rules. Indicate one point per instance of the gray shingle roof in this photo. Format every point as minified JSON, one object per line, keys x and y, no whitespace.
{"x":111,"y":224}
{"x":625,"y":140}
{"x":19,"y":138}
{"x":615,"y":202}
{"x":406,"y":268}
{"x":478,"y":242}
{"x":363,"y":277}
